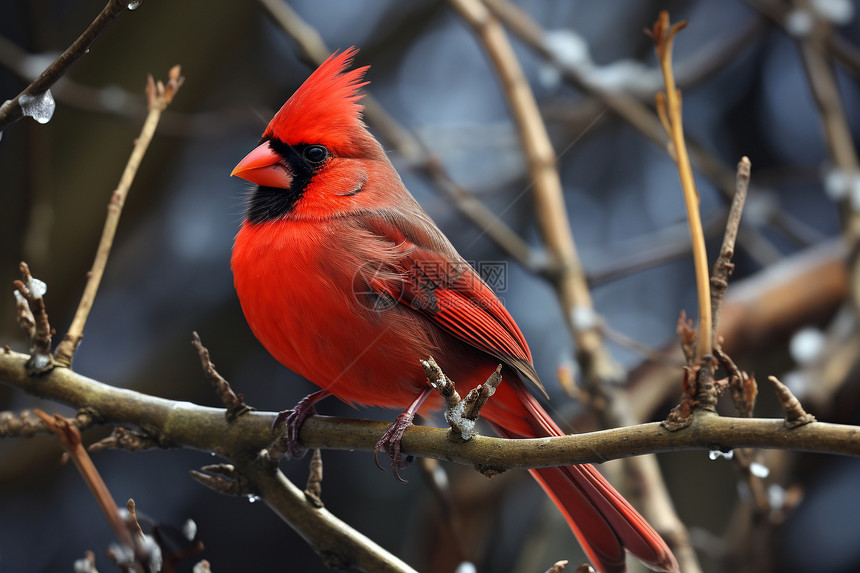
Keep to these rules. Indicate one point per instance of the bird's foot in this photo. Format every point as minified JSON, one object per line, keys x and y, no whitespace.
{"x":290,"y":421}
{"x":390,"y":442}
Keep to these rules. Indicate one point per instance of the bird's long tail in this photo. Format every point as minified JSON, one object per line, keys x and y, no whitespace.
{"x":604,"y":522}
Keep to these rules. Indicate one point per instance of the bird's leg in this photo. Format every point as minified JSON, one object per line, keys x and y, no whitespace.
{"x":292,"y":420}
{"x":390,"y":442}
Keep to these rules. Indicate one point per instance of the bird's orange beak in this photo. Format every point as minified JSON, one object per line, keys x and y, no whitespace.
{"x":265,"y":167}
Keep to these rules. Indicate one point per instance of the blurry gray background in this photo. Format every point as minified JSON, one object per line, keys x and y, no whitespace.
{"x":169,"y":272}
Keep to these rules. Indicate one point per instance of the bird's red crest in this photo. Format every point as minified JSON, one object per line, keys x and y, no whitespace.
{"x":324,"y":109}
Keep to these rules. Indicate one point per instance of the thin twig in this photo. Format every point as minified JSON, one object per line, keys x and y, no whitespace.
{"x":11,"y":110}
{"x":31,"y":291}
{"x":70,"y":437}
{"x":663,"y":35}
{"x":441,"y":383}
{"x":232,"y":401}
{"x":159,"y":96}
{"x":26,"y":320}
{"x":723,"y":266}
{"x":480,"y":395}
{"x":742,"y":386}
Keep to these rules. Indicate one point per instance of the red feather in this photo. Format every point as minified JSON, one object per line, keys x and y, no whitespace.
{"x":324,"y":109}
{"x":352,"y":284}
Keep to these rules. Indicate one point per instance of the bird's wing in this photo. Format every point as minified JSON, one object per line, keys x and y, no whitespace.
{"x":436,"y":282}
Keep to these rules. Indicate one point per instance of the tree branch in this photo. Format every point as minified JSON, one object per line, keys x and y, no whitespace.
{"x":183,"y":424}
{"x":159,"y":96}
{"x":11,"y":110}
{"x":339,"y":545}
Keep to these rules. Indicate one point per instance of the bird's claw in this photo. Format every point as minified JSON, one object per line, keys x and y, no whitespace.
{"x":291,"y":421}
{"x":390,"y":442}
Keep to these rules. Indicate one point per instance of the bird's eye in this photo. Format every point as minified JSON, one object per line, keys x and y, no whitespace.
{"x":315,"y":154}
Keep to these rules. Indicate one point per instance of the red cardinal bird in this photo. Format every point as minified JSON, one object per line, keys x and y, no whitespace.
{"x":348,"y":282}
